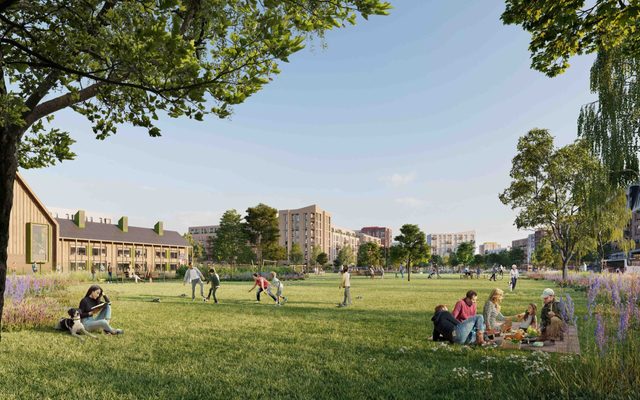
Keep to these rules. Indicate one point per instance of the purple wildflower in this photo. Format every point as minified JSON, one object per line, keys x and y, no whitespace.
{"x":623,"y":324}
{"x":601,"y":340}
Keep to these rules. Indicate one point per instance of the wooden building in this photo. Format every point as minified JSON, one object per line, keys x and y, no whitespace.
{"x":78,"y":244}
{"x":33,"y":233}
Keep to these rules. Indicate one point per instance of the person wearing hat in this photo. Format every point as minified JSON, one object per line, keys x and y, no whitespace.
{"x":552,"y":326}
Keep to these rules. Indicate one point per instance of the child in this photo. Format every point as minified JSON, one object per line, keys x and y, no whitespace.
{"x":215,"y":284}
{"x":263,"y":285}
{"x":275,"y":282}
{"x":528,"y":317}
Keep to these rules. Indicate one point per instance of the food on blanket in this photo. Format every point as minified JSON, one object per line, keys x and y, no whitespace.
{"x":518,"y":335}
{"x":531,"y":331}
{"x":537,"y":344}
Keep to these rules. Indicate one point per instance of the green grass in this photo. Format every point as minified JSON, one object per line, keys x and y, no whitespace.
{"x":377,"y":349}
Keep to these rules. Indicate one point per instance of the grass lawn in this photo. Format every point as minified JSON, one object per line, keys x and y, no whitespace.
{"x":309,"y":348}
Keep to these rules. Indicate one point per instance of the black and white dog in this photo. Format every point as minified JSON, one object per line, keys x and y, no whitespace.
{"x":73,"y":324}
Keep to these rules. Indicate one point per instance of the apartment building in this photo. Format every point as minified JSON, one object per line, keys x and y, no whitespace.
{"x":342,"y":237}
{"x":307,"y":226}
{"x":381,"y":232}
{"x":203,"y":235}
{"x":488,"y":247}
{"x":447,"y":243}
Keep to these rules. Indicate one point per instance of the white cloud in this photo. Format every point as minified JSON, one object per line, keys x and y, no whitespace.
{"x":399,"y":179}
{"x":410,"y":201}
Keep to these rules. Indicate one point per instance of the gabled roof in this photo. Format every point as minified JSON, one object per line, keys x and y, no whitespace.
{"x":20,"y":181}
{"x":96,"y":231}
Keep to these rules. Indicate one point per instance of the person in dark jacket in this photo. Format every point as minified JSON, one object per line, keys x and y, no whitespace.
{"x":446,"y":327}
{"x":96,"y":318}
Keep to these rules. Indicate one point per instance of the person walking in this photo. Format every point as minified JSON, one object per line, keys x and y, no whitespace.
{"x":514,"y":277}
{"x":195,"y":277}
{"x":346,"y":284}
{"x":214,"y":279}
{"x":109,"y":273}
{"x":494,"y":271}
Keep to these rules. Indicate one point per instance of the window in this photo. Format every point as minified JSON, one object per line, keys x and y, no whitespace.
{"x":78,"y":266}
{"x":124,"y":252}
{"x":99,"y":251}
{"x":173,"y":267}
{"x":78,"y":250}
{"x":174,"y":254}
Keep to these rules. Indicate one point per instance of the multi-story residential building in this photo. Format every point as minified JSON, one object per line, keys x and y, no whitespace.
{"x":203,"y":235}
{"x":380,"y":232}
{"x":78,"y":243}
{"x":342,"y":237}
{"x":486,"y":247}
{"x":529,"y":244}
{"x":447,"y":243}
{"x":307,"y":226}
{"x":364,"y":238}
{"x":498,"y":250}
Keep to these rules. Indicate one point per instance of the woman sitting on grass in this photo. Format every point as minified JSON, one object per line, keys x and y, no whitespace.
{"x":494,"y":319}
{"x":95,"y":319}
{"x":528,"y":318}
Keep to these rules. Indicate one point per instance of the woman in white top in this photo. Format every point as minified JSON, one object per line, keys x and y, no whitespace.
{"x":346,"y":284}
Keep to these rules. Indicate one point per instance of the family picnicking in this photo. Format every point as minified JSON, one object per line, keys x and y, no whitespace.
{"x":464,"y":326}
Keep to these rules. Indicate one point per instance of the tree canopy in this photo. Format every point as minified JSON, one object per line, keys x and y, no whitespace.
{"x":261,"y":227}
{"x":464,"y":252}
{"x":369,"y":255}
{"x":230,"y":242}
{"x":561,"y":29}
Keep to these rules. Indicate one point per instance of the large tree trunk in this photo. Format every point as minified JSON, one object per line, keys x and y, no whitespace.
{"x":8,"y":169}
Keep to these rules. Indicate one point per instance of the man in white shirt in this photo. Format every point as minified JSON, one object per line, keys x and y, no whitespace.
{"x":194,"y":276}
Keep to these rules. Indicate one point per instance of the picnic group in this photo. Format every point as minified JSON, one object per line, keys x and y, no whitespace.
{"x":464,"y":326}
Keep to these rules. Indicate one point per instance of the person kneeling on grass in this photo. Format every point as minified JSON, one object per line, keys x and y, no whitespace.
{"x":445,"y":327}
{"x":96,"y":318}
{"x":263,"y":285}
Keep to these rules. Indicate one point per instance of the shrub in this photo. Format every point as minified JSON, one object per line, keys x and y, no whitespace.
{"x":181,"y":271}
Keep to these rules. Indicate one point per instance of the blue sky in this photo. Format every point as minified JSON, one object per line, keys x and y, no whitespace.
{"x":410,"y":118}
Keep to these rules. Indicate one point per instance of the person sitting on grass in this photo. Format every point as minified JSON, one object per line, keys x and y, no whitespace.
{"x":96,"y":319}
{"x":528,"y":318}
{"x":552,"y":325}
{"x":494,"y":319}
{"x":263,"y":285}
{"x":466,"y":307}
{"x":447,"y":328}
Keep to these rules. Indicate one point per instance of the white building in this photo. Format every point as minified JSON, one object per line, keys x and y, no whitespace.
{"x":447,"y":243}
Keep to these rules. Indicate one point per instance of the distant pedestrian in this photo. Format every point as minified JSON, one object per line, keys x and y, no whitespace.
{"x":346,"y":284}
{"x":34,"y":267}
{"x":195,"y":277}
{"x":381,"y":272}
{"x":494,"y":271}
{"x":402,"y":272}
{"x":514,"y":277}
{"x":110,"y":273}
{"x":372,"y":272}
{"x":93,"y":272}
{"x":214,"y":280}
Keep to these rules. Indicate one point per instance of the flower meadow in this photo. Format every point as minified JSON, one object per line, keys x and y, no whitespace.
{"x":30,"y":301}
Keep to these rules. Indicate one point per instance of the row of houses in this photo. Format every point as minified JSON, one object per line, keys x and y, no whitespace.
{"x":76,"y":243}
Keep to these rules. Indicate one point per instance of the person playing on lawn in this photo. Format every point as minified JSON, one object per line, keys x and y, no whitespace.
{"x":215,"y":284}
{"x":346,"y":284}
{"x":263,"y":285}
{"x":446,"y":327}
{"x":195,"y":277}
{"x":279,"y":286}
{"x":466,"y":307}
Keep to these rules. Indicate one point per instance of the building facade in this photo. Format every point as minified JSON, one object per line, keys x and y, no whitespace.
{"x":342,"y":237}
{"x":204,"y":235}
{"x":85,"y":245}
{"x":487,"y":247}
{"x":76,"y":243}
{"x":33,"y":233}
{"x":443,"y":244}
{"x":308,"y":226}
{"x":381,"y":232}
